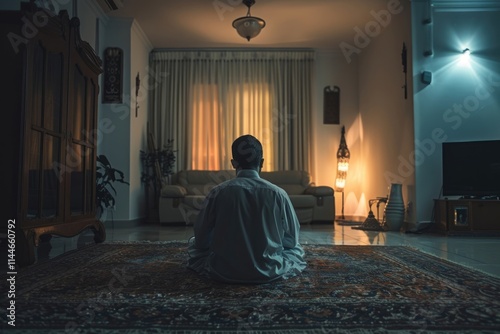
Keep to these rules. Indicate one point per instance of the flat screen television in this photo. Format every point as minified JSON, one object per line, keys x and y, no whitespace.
{"x":471,"y":169}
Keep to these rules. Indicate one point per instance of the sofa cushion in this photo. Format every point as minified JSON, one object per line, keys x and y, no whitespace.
{"x":195,"y":202}
{"x":319,"y":191}
{"x":173,"y":191}
{"x":200,"y":182}
{"x":302,"y":201}
{"x":182,"y":200}
{"x":293,"y":182}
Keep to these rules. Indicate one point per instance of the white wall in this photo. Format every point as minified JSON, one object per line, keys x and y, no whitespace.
{"x":88,"y":12}
{"x":331,"y":69}
{"x":377,"y":118}
{"x":124,"y":131}
{"x":140,"y":49}
{"x":386,"y":118}
{"x":462,"y":102}
{"x":114,"y":118}
{"x":10,"y":5}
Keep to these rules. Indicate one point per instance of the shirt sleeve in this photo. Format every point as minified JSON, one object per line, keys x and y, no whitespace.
{"x":291,"y":226}
{"x":293,"y":253}
{"x":205,"y":222}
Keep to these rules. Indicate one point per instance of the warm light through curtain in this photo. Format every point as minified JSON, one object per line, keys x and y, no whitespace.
{"x":249,"y":108}
{"x":206,"y":153}
{"x":252,"y":107}
{"x":205,"y":99}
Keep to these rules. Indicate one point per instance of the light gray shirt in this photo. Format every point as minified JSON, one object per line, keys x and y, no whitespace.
{"x":247,"y":232}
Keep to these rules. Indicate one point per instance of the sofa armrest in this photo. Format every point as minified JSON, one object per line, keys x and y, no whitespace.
{"x":319,"y":191}
{"x":173,"y":191}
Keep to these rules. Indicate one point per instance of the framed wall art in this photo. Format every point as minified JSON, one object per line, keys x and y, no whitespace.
{"x":331,"y":105}
{"x":113,"y":76}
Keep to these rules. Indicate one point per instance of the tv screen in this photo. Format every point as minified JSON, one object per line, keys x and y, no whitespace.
{"x":471,"y":168}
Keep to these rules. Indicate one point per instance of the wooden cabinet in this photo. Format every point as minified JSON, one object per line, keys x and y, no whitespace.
{"x":49,"y":89}
{"x":467,"y":216}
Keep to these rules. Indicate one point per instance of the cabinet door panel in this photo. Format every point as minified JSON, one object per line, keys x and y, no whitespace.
{"x":36,"y":76}
{"x":79,"y":104}
{"x":486,"y":215}
{"x":54,"y":93}
{"x":459,"y":215}
{"x":90,"y":205}
{"x":52,"y":185}
{"x":44,"y":183}
{"x":82,"y":121}
{"x":34,"y":167}
{"x":44,"y":150}
{"x":77,"y":181}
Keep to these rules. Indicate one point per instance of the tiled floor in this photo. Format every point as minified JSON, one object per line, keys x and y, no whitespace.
{"x":481,"y":253}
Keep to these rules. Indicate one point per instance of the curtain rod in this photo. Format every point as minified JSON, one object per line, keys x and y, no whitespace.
{"x":234,"y":49}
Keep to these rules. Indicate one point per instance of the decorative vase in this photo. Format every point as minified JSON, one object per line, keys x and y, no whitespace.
{"x":395,"y":208}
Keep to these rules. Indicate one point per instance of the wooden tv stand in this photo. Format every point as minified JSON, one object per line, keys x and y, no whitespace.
{"x":467,"y":216}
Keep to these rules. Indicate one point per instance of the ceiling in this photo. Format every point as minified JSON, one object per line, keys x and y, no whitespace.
{"x":320,"y":24}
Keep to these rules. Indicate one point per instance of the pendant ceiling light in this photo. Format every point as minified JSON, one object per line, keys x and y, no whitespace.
{"x":249,"y":26}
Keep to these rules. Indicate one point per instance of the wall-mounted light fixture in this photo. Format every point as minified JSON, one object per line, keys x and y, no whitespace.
{"x":249,"y":26}
{"x":465,"y":57}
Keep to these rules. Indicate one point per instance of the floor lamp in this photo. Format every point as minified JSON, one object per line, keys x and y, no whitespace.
{"x":343,"y":156}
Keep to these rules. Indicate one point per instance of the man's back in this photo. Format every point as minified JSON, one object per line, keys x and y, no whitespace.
{"x":250,"y":232}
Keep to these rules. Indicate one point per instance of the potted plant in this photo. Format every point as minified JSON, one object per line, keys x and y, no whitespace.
{"x":158,"y":165}
{"x":106,"y":176}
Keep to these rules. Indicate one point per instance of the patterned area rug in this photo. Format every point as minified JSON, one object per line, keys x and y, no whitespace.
{"x":146,"y":288}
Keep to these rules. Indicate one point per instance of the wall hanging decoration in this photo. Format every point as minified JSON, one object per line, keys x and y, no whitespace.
{"x":137,"y":86}
{"x":113,"y":75}
{"x":404,"y":61}
{"x":331,"y":105}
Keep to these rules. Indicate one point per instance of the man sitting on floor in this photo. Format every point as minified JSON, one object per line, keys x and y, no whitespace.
{"x":247,"y":230}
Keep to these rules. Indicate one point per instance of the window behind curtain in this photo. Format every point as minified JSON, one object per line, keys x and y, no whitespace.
{"x":203,"y":100}
{"x":220,"y":117}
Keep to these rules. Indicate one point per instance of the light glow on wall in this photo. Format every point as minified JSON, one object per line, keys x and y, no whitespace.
{"x":355,"y":204}
{"x":465,"y":58}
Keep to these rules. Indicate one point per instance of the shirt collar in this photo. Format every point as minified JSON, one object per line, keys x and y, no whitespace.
{"x":250,"y":173}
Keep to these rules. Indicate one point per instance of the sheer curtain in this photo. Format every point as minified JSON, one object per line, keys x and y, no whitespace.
{"x":205,"y":99}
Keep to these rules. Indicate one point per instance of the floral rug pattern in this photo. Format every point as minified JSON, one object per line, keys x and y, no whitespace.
{"x":146,"y":288}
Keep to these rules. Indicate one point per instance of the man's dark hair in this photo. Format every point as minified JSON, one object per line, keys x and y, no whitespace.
{"x":247,"y":151}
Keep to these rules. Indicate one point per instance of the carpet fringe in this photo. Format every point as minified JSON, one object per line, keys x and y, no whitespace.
{"x":296,"y":331}
{"x":149,"y":242}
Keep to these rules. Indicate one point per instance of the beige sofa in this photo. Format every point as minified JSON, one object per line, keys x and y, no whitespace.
{"x":181,"y":201}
